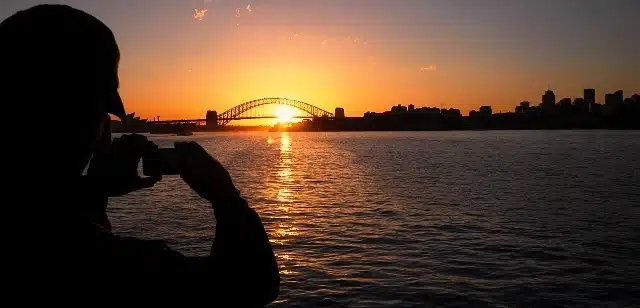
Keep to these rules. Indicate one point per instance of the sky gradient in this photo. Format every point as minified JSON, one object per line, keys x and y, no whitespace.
{"x":449,"y":53}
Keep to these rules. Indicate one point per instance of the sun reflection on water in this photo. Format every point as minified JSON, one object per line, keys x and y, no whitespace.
{"x":285,"y":230}
{"x":285,"y":176}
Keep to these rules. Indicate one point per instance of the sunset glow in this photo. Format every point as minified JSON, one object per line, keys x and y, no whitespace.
{"x":182,"y":58}
{"x":284,"y":114}
{"x":338,"y":153}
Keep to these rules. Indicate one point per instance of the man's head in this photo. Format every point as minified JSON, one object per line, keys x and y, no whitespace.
{"x":59,"y":70}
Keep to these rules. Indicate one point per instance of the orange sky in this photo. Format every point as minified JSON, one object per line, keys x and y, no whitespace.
{"x":489,"y":52}
{"x":255,"y":63}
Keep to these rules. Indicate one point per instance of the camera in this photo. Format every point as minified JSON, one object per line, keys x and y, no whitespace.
{"x":163,"y":161}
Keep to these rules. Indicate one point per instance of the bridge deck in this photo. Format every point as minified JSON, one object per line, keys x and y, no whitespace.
{"x":195,"y":121}
{"x":246,"y":111}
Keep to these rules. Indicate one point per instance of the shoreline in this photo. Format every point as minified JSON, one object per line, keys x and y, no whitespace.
{"x":374,"y":130}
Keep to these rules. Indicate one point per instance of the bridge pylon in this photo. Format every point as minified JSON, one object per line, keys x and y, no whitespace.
{"x":212,"y":119}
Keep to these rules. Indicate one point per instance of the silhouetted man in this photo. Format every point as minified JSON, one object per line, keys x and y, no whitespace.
{"x":59,"y":84}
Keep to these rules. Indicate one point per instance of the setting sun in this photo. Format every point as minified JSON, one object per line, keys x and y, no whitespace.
{"x":307,"y":152}
{"x":284,"y":114}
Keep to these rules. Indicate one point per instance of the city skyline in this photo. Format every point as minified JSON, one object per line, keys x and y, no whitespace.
{"x":584,"y":112}
{"x":616,"y":105}
{"x":549,"y":100}
{"x":364,"y":55}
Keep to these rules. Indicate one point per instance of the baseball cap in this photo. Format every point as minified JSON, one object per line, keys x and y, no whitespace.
{"x":115,"y":106}
{"x":56,"y":46}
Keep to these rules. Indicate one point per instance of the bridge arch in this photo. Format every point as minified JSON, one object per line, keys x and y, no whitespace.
{"x":236,"y":112}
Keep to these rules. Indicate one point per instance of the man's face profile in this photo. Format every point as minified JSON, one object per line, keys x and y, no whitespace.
{"x":63,"y":64}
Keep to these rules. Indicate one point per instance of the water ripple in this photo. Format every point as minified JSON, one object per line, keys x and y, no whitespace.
{"x":433,"y":219}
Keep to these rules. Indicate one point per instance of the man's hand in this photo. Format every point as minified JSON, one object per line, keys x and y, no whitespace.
{"x":205,"y":175}
{"x":114,"y":169}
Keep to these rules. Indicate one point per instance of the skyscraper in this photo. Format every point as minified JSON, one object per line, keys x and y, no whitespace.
{"x":619,"y":95}
{"x":486,"y":110}
{"x":565,"y":103}
{"x":614,"y":98}
{"x":548,"y":99}
{"x":590,"y":96}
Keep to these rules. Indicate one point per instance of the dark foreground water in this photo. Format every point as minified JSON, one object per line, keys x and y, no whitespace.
{"x":426,"y":219}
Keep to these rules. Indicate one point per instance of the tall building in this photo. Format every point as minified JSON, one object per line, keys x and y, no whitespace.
{"x":548,"y":99}
{"x":590,"y":96}
{"x":565,"y":103}
{"x":608,"y":99}
{"x":451,"y":112}
{"x":523,"y":107}
{"x":581,"y":105}
{"x":619,"y":95}
{"x":339,"y":113}
{"x":399,"y":109}
{"x":614,"y":98}
{"x":412,"y":107}
{"x":486,"y":110}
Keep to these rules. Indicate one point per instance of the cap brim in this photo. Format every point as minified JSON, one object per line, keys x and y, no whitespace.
{"x":116,"y":107}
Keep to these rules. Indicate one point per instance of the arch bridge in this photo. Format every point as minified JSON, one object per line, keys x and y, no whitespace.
{"x":249,"y":110}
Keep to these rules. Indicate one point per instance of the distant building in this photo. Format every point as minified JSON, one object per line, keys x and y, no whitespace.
{"x":428,"y":110}
{"x":609,"y":99}
{"x":548,"y":99}
{"x":635,"y":98}
{"x":451,"y":112}
{"x":590,"y":96}
{"x":596,"y":109}
{"x":613,"y":103}
{"x":614,"y":99}
{"x":486,"y":110}
{"x":412,"y":107}
{"x":398,"y":109}
{"x":581,"y":105}
{"x":565,"y":103}
{"x":525,"y":107}
{"x":339,"y":113}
